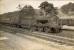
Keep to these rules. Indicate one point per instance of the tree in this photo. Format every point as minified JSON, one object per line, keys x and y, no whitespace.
{"x":28,"y":10}
{"x":67,"y":8}
{"x":47,"y":8}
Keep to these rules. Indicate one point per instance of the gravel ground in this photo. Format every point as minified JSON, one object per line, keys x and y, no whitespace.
{"x":66,"y":33}
{"x":15,"y":42}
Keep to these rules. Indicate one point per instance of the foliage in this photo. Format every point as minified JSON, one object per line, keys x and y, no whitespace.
{"x":48,"y":8}
{"x":27,"y":10}
{"x":67,"y":8}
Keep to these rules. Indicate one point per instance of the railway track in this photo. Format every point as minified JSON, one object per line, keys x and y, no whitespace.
{"x":58,"y":39}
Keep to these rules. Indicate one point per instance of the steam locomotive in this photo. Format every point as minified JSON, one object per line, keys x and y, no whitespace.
{"x":49,"y":23}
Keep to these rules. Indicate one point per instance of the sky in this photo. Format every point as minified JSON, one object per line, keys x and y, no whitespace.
{"x":12,"y":5}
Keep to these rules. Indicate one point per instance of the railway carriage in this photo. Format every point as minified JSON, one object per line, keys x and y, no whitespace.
{"x":9,"y":18}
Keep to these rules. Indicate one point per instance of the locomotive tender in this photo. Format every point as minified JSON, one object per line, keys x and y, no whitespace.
{"x":49,"y":23}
